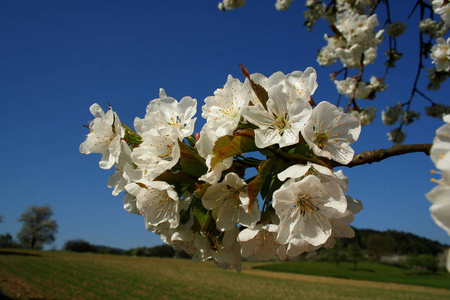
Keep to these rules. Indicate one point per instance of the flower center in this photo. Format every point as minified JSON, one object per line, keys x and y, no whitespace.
{"x":305,"y":204}
{"x":280,"y":122}
{"x":321,"y":138}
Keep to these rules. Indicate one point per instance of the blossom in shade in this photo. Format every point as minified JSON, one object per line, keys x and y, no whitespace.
{"x":231,"y":201}
{"x":259,"y":243}
{"x":396,"y":135}
{"x":156,"y":154}
{"x":440,"y":54}
{"x":157,"y":201}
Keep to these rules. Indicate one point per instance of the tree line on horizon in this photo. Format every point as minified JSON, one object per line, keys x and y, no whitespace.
{"x":40,"y":228}
{"x":368,"y":245}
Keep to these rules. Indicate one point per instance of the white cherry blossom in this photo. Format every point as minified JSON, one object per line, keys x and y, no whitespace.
{"x":305,"y":209}
{"x":165,"y":115}
{"x":439,"y":196}
{"x":259,"y":243}
{"x":157,"y":201}
{"x":231,"y":201}
{"x":223,"y":110}
{"x":330,"y":132}
{"x":281,"y":122}
{"x":156,"y":154}
{"x":105,"y":136}
{"x":440,"y":53}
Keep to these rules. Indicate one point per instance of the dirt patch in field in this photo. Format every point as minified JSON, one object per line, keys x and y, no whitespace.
{"x":13,"y":287}
{"x":350,"y":282}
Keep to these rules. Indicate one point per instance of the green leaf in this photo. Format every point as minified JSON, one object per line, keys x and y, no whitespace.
{"x":181,"y":180}
{"x":231,"y":145}
{"x":131,"y":138}
{"x":191,"y":162}
{"x":204,"y":222}
{"x":260,"y":181}
{"x":259,"y":91}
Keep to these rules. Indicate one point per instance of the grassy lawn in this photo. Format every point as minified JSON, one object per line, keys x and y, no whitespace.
{"x":366,"y":271}
{"x":61,"y":275}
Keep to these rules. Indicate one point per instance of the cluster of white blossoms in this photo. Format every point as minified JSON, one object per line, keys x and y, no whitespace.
{"x":439,"y":196}
{"x":440,"y":52}
{"x":355,"y":38}
{"x":203,"y":193}
{"x":353,"y":42}
{"x":232,"y":4}
{"x":392,"y":114}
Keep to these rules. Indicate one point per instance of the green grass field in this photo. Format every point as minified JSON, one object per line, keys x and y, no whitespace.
{"x":61,"y":275}
{"x":366,"y":271}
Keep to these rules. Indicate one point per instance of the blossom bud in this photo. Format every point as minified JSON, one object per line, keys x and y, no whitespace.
{"x":396,"y":29}
{"x":390,"y":117}
{"x":397,"y":135}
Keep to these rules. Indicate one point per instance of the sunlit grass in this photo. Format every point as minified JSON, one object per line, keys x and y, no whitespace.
{"x":365,"y":271}
{"x":61,"y":275}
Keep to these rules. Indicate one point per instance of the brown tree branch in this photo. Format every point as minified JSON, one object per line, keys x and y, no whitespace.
{"x":368,"y":157}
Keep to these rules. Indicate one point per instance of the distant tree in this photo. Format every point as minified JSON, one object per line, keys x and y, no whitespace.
{"x":423,"y":262}
{"x":38,"y":226}
{"x":337,"y":253}
{"x":6,"y":240}
{"x":355,"y":253}
{"x":79,"y":246}
{"x":380,"y":245}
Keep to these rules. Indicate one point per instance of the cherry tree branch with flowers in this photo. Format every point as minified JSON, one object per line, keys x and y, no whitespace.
{"x":258,"y":181}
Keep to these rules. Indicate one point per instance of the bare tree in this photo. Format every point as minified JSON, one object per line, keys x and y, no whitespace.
{"x":38,"y":226}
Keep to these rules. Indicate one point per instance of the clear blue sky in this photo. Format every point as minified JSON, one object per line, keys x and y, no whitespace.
{"x":58,"y":57}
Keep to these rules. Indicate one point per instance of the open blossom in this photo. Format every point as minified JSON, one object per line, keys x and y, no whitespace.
{"x":156,"y":154}
{"x":442,"y":8}
{"x":165,"y":115}
{"x":351,"y":87}
{"x":230,"y":4}
{"x":340,"y":224}
{"x":440,"y":151}
{"x":330,"y":132}
{"x":440,"y":195}
{"x":391,"y":114}
{"x":396,"y":29}
{"x":157,"y":201}
{"x":105,"y":136}
{"x":259,"y":243}
{"x":231,"y":201}
{"x":396,"y":135}
{"x":223,"y":110}
{"x":281,"y":122}
{"x":365,"y":115}
{"x":305,"y":209}
{"x":440,"y":53}
{"x":283,"y":4}
{"x":297,"y":172}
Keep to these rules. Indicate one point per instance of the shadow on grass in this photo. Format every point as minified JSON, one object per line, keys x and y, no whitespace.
{"x":362,"y":270}
{"x":4,"y":297}
{"x":2,"y":252}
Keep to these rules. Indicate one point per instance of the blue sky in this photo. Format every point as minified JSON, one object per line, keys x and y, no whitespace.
{"x":59,"y":57}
